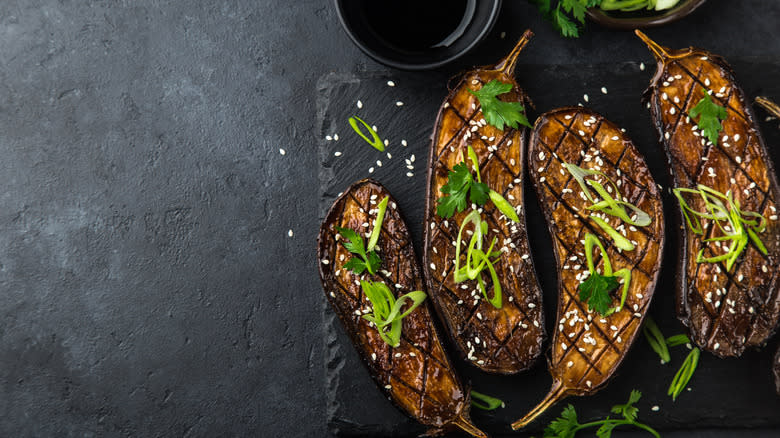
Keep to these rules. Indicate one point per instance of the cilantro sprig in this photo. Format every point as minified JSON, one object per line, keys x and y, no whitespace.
{"x":461,"y":184}
{"x":369,"y":260}
{"x":567,"y":425}
{"x":596,"y":288}
{"x":497,"y":112}
{"x":710,"y":115}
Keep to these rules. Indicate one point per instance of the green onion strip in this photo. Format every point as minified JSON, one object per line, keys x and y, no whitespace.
{"x":485,"y":402}
{"x":387,"y":309}
{"x":380,"y":217}
{"x":501,"y":204}
{"x":656,"y":339}
{"x":374,"y":141}
{"x":625,"y":274}
{"x":736,"y":226}
{"x":477,"y":259}
{"x":684,"y":374}
{"x":604,"y":202}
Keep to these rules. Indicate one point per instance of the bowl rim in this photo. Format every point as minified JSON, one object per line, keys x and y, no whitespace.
{"x":491,"y":21}
{"x":604,"y":19}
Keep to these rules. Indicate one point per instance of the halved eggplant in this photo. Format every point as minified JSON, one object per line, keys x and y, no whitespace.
{"x":501,"y":340}
{"x":725,"y":310}
{"x":588,"y":345}
{"x":416,"y":375}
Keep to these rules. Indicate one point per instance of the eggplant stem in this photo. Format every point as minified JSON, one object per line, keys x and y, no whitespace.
{"x":768,"y":105}
{"x":465,"y":425}
{"x":556,"y":394}
{"x":658,"y":50}
{"x":507,"y":65}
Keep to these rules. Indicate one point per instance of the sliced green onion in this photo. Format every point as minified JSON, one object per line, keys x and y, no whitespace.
{"x":684,"y":374}
{"x":375,"y":141}
{"x":674,"y":341}
{"x":477,"y":259}
{"x":620,"y":241}
{"x":485,"y":402}
{"x":656,"y":339}
{"x":738,"y":227}
{"x":474,"y":162}
{"x":386,"y":309}
{"x":503,"y":205}
{"x":380,"y":217}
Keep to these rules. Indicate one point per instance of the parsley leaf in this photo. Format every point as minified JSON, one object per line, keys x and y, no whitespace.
{"x":567,"y":426}
{"x":628,"y":410}
{"x":460,"y":183}
{"x":497,"y":112}
{"x":710,"y":115}
{"x":354,"y":243}
{"x":595,"y":291}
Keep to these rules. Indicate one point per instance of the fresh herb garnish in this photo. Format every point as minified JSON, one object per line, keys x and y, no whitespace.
{"x":567,"y":13}
{"x":567,"y":425}
{"x":710,"y":115}
{"x":659,"y":345}
{"x":656,"y":340}
{"x":369,"y":260}
{"x":684,"y":374}
{"x":596,"y":288}
{"x":387,"y":309}
{"x":736,"y":226}
{"x":477,"y":259}
{"x":460,"y":183}
{"x":374,"y":141}
{"x":485,"y":402}
{"x":497,"y":112}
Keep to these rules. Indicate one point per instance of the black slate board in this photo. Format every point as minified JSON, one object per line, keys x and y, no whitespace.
{"x":733,"y":393}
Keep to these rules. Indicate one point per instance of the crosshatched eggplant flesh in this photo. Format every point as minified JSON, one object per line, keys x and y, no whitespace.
{"x":502,"y":340}
{"x":725,"y":311}
{"x":416,"y":376}
{"x":587,"y":347}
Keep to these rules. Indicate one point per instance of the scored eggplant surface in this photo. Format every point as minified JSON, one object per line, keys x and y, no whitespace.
{"x":773,"y":109}
{"x":500,"y":340}
{"x":725,"y":311}
{"x":586,"y":346}
{"x":417,"y":375}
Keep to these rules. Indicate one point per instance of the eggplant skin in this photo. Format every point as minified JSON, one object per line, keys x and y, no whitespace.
{"x":506,"y":340}
{"x":587,"y":348}
{"x":416,"y":376}
{"x":725,"y":312}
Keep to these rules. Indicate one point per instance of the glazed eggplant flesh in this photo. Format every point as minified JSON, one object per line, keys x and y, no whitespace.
{"x":774,"y":109}
{"x":501,"y":340}
{"x":588,"y":345}
{"x":416,"y":375}
{"x":725,"y":310}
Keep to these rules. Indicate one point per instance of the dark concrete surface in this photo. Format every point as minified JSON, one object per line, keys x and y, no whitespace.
{"x":148,"y":285}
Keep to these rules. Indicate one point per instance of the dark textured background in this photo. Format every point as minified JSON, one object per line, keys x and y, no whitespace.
{"x":148,"y":286}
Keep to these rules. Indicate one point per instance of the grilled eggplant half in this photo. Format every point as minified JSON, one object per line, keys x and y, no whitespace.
{"x":732,"y":304}
{"x":416,"y":375}
{"x":570,"y":150}
{"x":505,"y":339}
{"x":773,"y":109}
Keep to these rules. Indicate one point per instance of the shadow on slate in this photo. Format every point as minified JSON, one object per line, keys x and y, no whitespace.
{"x":730,"y":393}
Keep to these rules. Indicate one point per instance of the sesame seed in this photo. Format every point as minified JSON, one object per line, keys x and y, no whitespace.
{"x":707,"y":82}
{"x":716,"y":346}
{"x":580,"y":132}
{"x":336,"y":136}
{"x":672,"y":110}
{"x":655,"y":408}
{"x":642,"y":66}
{"x":404,"y":143}
{"x":370,"y":170}
{"x":328,"y":138}
{"x":399,"y":103}
{"x":359,"y":104}
{"x":390,"y":84}
{"x":409,"y":174}
{"x":664,"y":96}
{"x":738,"y":159}
{"x":615,"y":138}
{"x":585,"y":97}
{"x":604,"y":90}
{"x":388,"y":387}
{"x":337,"y":154}
{"x":282,"y":151}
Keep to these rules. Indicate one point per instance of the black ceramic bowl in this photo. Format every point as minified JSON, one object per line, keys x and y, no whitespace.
{"x":377,"y":34}
{"x":643,"y":18}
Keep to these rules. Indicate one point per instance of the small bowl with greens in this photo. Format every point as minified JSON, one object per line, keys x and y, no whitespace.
{"x":568,"y":16}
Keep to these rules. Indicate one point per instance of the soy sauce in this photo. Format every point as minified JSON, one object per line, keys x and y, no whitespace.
{"x":418,"y":25}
